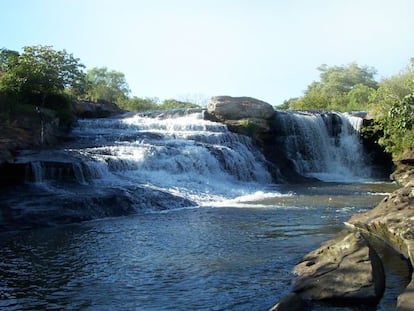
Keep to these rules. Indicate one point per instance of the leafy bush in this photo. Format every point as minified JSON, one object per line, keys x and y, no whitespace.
{"x":399,"y":127}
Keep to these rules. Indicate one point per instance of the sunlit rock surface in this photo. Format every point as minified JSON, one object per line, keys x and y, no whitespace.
{"x":236,"y":108}
{"x":342,"y":270}
{"x":345,"y":268}
{"x":393,"y":221}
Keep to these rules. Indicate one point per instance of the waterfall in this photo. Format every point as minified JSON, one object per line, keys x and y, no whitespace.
{"x":176,"y":153}
{"x":164,"y":160}
{"x":322,"y":145}
{"x":185,"y":146}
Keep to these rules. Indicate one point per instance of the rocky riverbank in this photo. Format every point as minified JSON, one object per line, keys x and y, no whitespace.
{"x":40,"y":129}
{"x":347,"y":269}
{"x":43,"y":128}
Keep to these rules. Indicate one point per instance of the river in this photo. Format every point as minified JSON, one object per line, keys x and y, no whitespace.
{"x":203,"y":229}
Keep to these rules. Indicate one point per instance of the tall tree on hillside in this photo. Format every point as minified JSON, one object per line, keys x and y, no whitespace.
{"x":109,"y":85}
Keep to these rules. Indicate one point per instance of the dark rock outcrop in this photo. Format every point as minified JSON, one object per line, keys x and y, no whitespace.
{"x":98,"y":109}
{"x":25,"y":213}
{"x":291,"y":302}
{"x":380,"y":160}
{"x":255,"y":118}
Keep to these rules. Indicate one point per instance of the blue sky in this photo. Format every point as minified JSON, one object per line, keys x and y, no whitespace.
{"x":191,"y":50}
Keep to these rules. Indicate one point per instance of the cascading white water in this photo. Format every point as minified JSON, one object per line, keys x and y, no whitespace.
{"x":183,"y":160}
{"x":324,"y":146}
{"x":184,"y":155}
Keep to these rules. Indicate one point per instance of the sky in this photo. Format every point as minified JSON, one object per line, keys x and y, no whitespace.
{"x":195,"y":49}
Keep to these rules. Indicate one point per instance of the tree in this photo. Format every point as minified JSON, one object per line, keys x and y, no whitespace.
{"x":342,"y":79}
{"x":39,"y":70}
{"x":359,"y":96}
{"x":8,"y":59}
{"x":340,"y":88}
{"x":315,"y":98}
{"x":398,"y":127}
{"x":173,"y":104}
{"x":109,"y":85}
{"x":139,"y":104}
{"x":392,"y":90}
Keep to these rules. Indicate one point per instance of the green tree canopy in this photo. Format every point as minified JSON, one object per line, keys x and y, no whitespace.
{"x":398,"y":127}
{"x":139,"y":104}
{"x":39,"y":70}
{"x":109,"y":85}
{"x":8,"y":59}
{"x":173,"y":104}
{"x":392,"y":90}
{"x":340,"y":88}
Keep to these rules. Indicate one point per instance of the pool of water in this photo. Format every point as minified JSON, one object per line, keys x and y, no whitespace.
{"x":235,"y":257}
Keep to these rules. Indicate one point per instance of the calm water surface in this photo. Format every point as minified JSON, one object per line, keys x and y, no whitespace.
{"x":236,"y":257}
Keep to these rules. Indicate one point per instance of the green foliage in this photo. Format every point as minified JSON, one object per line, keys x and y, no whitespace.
{"x":399,"y":127}
{"x":109,"y":85}
{"x":139,"y":104}
{"x":341,"y":88}
{"x":287,"y":104}
{"x":39,"y":76}
{"x":8,"y":60}
{"x":148,"y":104}
{"x":392,"y":90}
{"x":359,"y":97}
{"x":62,"y":105}
{"x":174,"y":104}
{"x":39,"y":70}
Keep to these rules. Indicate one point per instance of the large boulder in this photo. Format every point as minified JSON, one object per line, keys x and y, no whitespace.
{"x":393,"y":221}
{"x":345,"y":269}
{"x":237,"y":108}
{"x":243,"y":115}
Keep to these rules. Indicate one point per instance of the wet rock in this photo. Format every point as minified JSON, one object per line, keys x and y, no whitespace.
{"x":344,"y":269}
{"x":19,"y":212}
{"x":291,"y":302}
